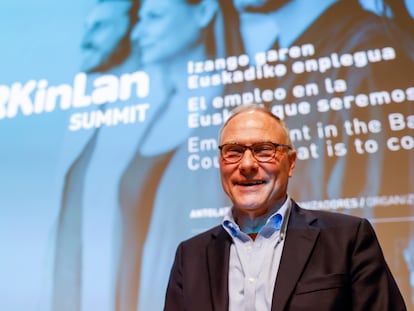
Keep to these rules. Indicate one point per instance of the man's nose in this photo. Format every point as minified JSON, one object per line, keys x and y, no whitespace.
{"x":248,"y":162}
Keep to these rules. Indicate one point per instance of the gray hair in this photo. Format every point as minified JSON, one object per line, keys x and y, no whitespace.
{"x":255,"y":107}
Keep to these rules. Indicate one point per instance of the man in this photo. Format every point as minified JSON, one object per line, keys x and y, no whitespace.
{"x":268,"y":253}
{"x":337,"y":27}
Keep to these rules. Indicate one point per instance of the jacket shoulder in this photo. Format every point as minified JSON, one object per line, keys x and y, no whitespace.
{"x":205,"y":237}
{"x":323,"y":218}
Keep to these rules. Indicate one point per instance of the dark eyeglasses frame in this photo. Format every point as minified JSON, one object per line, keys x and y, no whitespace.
{"x":251,"y":148}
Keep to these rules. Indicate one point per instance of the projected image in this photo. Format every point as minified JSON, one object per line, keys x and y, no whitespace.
{"x":115,"y":182}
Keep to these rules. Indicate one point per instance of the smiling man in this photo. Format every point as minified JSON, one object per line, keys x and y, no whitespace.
{"x":268,"y":253}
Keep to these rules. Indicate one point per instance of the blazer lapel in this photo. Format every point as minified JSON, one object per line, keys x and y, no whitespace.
{"x":300,"y":240}
{"x":218,"y":254}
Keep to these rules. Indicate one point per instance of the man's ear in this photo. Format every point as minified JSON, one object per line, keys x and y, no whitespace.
{"x":292,"y":162}
{"x":206,"y":10}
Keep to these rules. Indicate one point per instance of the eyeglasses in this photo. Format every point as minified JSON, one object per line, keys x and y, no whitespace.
{"x":262,"y":152}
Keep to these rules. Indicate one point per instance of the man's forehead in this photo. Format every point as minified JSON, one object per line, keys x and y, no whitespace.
{"x":247,"y":123}
{"x":251,"y":117}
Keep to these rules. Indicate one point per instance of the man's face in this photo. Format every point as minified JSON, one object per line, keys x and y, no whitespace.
{"x":252,"y":186}
{"x":166,"y":28}
{"x":106,"y":26}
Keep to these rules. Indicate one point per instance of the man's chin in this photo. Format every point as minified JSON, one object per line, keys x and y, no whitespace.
{"x":250,"y":207}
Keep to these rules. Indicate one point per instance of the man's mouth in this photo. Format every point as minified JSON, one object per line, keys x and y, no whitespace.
{"x":250,"y":183}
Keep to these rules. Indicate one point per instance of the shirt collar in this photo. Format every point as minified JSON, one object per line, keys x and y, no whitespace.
{"x":273,"y":223}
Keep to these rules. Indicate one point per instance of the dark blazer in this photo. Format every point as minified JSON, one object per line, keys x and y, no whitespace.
{"x":330,"y":261}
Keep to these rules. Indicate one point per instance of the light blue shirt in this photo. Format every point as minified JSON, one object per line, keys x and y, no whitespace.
{"x":254,"y":264}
